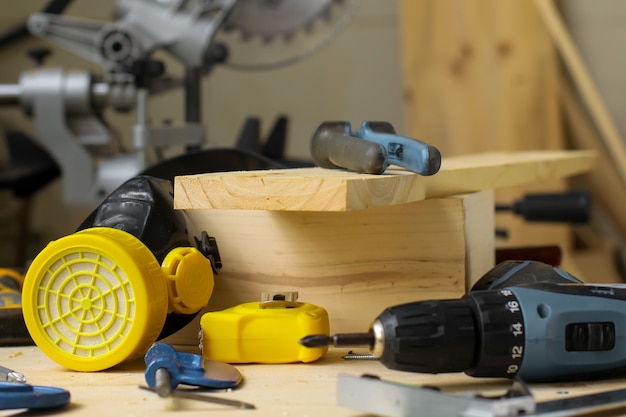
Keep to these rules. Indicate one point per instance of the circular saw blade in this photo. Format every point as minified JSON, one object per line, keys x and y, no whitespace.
{"x":271,"y":18}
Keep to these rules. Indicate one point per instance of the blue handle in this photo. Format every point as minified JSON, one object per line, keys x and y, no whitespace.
{"x":409,"y":153}
{"x":14,"y":395}
{"x":188,"y":369}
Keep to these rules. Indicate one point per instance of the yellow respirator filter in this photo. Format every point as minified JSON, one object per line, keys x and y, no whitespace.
{"x":96,"y":298}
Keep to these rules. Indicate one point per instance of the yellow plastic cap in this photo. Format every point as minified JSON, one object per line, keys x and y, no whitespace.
{"x":189,"y":279}
{"x":94,"y":299}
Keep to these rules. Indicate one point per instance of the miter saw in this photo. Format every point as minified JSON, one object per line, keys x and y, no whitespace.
{"x":66,"y":107}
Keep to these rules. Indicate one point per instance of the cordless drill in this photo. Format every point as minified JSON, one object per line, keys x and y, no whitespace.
{"x":522,"y":318}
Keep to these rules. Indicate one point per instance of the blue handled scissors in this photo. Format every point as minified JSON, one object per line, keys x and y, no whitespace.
{"x":14,"y":395}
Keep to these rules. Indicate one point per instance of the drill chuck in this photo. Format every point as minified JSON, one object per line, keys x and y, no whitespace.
{"x":481,"y":334}
{"x":425,"y":336}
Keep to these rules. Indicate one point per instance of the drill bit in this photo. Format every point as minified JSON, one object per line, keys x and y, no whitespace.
{"x":339,"y":339}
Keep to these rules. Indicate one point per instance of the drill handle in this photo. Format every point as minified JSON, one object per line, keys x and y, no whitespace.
{"x":514,"y":273}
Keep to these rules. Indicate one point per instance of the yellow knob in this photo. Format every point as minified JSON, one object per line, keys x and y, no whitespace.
{"x":190,"y":280}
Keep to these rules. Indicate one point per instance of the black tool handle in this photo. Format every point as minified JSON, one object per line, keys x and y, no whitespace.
{"x":570,"y":207}
{"x":429,"y":336}
{"x":333,"y":147}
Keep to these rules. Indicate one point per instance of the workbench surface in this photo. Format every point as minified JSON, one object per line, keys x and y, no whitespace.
{"x":304,"y":390}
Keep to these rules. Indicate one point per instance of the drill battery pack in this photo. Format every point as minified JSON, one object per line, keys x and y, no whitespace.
{"x":263,"y":332}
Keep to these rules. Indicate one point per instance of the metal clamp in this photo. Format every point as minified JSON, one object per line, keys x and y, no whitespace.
{"x":371,"y":149}
{"x":372,"y":395}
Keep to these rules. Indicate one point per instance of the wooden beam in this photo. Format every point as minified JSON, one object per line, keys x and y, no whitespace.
{"x":318,"y":189}
{"x":609,"y":134}
{"x":605,"y":186}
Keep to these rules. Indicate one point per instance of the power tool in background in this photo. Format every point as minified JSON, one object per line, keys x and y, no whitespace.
{"x":136,"y":271}
{"x":68,"y":107}
{"x":523,"y":318}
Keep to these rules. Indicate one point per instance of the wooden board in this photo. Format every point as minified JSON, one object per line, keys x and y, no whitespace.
{"x":318,"y":189}
{"x":605,"y":185}
{"x":610,"y":135}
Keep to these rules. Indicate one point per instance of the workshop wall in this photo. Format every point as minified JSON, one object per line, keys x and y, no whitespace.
{"x":356,"y":77}
{"x":598,"y":30}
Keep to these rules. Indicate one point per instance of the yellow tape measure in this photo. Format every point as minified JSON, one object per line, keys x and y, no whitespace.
{"x":265,"y":332}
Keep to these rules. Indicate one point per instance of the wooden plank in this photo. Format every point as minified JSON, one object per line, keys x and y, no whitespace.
{"x":318,"y":189}
{"x":312,"y":189}
{"x":610,"y":135}
{"x":605,"y":185}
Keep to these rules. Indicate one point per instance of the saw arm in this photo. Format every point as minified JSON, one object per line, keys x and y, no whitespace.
{"x":67,"y":114}
{"x":143,"y":26}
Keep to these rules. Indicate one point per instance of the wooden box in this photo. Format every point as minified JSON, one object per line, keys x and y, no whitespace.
{"x":356,"y":244}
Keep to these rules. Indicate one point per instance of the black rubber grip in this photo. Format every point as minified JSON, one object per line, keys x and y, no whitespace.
{"x":332,"y":147}
{"x":429,"y":336}
{"x":571,"y":207}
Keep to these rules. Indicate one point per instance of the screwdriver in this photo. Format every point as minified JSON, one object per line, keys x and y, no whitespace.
{"x":522,"y":318}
